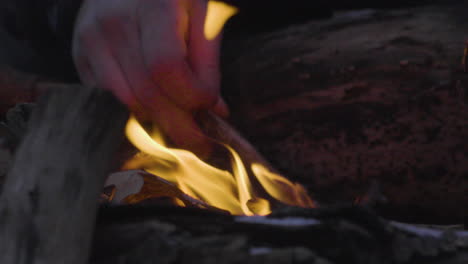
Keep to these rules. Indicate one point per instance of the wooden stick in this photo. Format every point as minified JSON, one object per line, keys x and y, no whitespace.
{"x":222,"y":131}
{"x":49,"y":200}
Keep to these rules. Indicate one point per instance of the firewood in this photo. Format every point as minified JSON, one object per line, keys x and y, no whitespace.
{"x":136,"y":234}
{"x":49,"y":199}
{"x":366,"y":96}
{"x":138,"y":186}
{"x":223,"y":132}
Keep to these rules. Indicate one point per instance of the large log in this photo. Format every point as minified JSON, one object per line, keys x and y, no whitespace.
{"x":142,"y":234}
{"x":366,"y":96}
{"x":49,"y":199}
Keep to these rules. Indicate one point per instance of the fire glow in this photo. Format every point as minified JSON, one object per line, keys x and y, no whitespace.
{"x":231,"y":190}
{"x":219,"y":188}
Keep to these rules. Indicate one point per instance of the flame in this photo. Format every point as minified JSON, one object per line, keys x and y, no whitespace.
{"x":183,"y":168}
{"x":216,"y":16}
{"x":280,"y":188}
{"x":220,"y":188}
{"x":234,"y":191}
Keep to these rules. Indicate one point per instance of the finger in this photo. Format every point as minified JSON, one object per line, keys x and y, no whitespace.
{"x":176,"y":123}
{"x":203,"y":54}
{"x":105,"y":71}
{"x":181,"y":127}
{"x":120,"y":33}
{"x":165,"y":52}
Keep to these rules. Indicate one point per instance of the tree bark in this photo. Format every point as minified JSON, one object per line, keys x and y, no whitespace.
{"x":366,"y":96}
{"x":49,"y":199}
{"x":142,"y":234}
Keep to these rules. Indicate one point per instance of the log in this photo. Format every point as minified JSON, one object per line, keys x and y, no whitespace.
{"x":138,"y":234}
{"x":365,"y":96}
{"x":49,"y":199}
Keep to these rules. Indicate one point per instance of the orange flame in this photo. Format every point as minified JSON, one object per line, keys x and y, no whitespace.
{"x":216,"y":16}
{"x":234,"y":191}
{"x":220,"y":188}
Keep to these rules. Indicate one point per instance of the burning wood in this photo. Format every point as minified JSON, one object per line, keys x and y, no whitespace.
{"x":234,"y":189}
{"x":137,"y":234}
{"x":136,"y":186}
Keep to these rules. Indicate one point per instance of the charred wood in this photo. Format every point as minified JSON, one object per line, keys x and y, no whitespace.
{"x":136,"y":234}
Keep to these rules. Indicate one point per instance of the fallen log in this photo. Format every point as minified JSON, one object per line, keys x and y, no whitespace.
{"x":49,"y":198}
{"x":136,"y":234}
{"x":365,"y":96}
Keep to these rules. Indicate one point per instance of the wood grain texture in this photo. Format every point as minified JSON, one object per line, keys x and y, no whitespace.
{"x":49,"y":200}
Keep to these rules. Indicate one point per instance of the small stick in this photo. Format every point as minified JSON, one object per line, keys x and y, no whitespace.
{"x":222,"y":131}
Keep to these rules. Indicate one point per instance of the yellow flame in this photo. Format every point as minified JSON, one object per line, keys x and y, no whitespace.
{"x":220,"y":188}
{"x":216,"y":16}
{"x":187,"y":171}
{"x":234,"y":191}
{"x":281,"y":189}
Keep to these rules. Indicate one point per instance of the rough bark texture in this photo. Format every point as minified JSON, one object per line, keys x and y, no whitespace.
{"x":49,"y":199}
{"x":339,"y":235}
{"x":365,"y":96}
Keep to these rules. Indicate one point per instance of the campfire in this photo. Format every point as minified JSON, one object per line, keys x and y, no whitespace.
{"x":246,"y":187}
{"x":232,"y":190}
{"x":343,"y":123}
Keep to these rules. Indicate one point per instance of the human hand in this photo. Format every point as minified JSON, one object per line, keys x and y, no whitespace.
{"x":153,"y":55}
